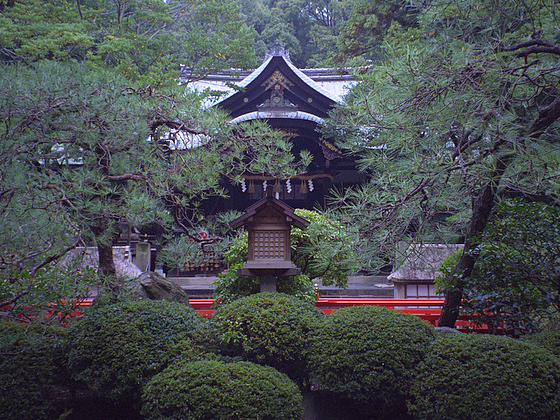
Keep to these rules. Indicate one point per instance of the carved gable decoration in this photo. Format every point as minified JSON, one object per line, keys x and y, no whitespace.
{"x":277,"y":79}
{"x":277,"y":101}
{"x":277,"y":83}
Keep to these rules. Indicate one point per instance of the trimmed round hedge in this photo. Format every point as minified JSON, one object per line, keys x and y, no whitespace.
{"x":216,"y":390}
{"x":550,"y":340}
{"x":32,"y":384}
{"x":472,"y":376}
{"x":367,"y":354}
{"x":268,"y":328}
{"x":117,"y":348}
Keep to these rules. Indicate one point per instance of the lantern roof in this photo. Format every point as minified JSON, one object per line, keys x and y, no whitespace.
{"x":264,"y":204}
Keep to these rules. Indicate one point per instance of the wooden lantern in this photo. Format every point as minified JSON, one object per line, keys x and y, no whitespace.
{"x":269,"y":222}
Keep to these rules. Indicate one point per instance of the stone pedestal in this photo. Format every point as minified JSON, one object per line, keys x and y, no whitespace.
{"x":143,"y":258}
{"x":268,"y":284}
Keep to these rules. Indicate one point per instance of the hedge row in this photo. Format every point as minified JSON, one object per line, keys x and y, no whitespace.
{"x":31,"y":383}
{"x":471,"y":376}
{"x":165,"y":361}
{"x":268,"y":328}
{"x":368,"y":354}
{"x":117,"y":348}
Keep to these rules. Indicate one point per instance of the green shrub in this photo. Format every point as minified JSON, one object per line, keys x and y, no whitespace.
{"x":216,"y":390}
{"x":117,"y":348}
{"x":514,"y":283}
{"x":550,"y":340}
{"x":268,"y":328}
{"x":366,"y":354}
{"x":231,"y":286}
{"x":324,"y":249}
{"x":471,"y":376}
{"x":32,"y":384}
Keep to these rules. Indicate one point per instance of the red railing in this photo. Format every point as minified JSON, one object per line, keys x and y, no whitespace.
{"x":427,"y":309}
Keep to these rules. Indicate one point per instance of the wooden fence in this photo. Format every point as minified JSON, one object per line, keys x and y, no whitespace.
{"x":427,"y":309}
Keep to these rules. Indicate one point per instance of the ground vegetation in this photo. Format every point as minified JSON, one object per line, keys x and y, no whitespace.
{"x":367,"y":355}
{"x":218,"y":390}
{"x":117,"y":348}
{"x":268,"y":328}
{"x":474,"y":376}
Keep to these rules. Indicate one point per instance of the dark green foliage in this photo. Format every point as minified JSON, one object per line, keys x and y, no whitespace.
{"x":550,"y":340}
{"x":514,"y":284}
{"x":370,"y":23}
{"x":143,"y":40}
{"x":231,"y":286}
{"x":268,"y":328}
{"x":516,"y":278}
{"x":31,"y":381}
{"x":324,"y":249}
{"x":117,"y":348}
{"x":486,"y":377}
{"x":366,"y":354}
{"x":444,"y":125}
{"x":215,"y":390}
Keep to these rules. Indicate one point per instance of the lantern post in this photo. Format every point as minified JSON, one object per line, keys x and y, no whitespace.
{"x":269,"y":222}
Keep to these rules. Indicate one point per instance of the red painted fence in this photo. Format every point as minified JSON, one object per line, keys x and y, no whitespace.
{"x":426,"y":309}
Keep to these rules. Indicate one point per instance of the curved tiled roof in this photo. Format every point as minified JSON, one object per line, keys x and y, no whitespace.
{"x":306,"y":79}
{"x":312,"y":91}
{"x":294,"y":115}
{"x":334,"y":97}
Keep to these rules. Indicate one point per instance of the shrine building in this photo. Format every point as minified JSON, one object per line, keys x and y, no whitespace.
{"x":297,"y":102}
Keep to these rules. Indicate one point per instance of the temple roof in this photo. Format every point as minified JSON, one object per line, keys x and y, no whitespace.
{"x":422,"y":262}
{"x":300,"y":74}
{"x":278,"y":90}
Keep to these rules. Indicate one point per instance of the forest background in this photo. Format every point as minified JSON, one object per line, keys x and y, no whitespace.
{"x":457,"y":108}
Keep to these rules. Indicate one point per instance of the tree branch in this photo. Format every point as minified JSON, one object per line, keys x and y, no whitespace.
{"x":533,"y":46}
{"x":546,"y":118}
{"x":126,"y":177}
{"x":34,"y":270}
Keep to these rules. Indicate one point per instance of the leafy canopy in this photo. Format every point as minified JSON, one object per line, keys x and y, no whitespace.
{"x":465,"y":104}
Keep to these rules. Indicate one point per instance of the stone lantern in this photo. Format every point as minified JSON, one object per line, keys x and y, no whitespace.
{"x":269,"y":222}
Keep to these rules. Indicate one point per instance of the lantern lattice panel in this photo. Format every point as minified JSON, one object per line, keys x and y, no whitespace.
{"x":270,"y":245}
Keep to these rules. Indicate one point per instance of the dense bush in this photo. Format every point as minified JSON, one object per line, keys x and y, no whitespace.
{"x":268,"y":328}
{"x":366,"y":354}
{"x":117,"y":348}
{"x":216,"y":390}
{"x":231,"y":286}
{"x":514,"y":283}
{"x":32,"y":385}
{"x":470,"y":376}
{"x":324,"y":249}
{"x":550,"y":340}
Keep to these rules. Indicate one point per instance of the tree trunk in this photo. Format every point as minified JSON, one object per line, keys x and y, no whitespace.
{"x":482,"y":209}
{"x":106,"y":265}
{"x":106,"y":262}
